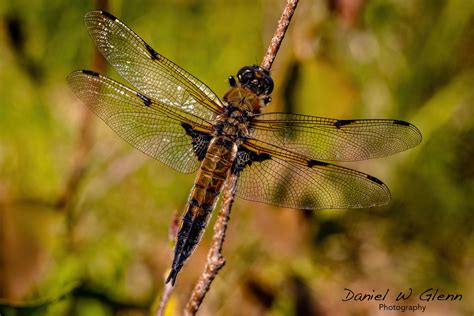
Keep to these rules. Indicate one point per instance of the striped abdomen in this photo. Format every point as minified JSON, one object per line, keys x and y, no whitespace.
{"x":202,"y":199}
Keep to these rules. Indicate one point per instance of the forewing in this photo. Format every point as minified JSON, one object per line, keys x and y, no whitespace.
{"x":156,"y":128}
{"x":335,"y":140}
{"x":279,"y":177}
{"x":148,"y":71}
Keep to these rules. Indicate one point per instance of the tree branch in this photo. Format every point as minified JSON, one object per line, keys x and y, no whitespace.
{"x":280,"y":31}
{"x":215,"y":259}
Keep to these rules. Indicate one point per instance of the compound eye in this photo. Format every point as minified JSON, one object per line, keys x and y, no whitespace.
{"x":245,"y":74}
{"x":256,"y":79}
{"x":248,"y":76}
{"x":268,"y":85}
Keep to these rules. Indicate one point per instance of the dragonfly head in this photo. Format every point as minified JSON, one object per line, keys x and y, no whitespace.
{"x":256,"y":79}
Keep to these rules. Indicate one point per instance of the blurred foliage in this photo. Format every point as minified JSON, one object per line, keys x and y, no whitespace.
{"x":104,"y":249}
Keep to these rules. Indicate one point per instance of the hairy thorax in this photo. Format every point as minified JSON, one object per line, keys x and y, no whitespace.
{"x":240,"y":105}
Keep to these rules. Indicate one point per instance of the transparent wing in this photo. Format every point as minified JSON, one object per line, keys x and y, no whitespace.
{"x":279,"y":177}
{"x":148,"y":71}
{"x":157,"y":129}
{"x":335,"y":140}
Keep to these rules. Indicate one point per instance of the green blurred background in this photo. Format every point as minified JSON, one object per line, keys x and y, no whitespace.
{"x":84,"y":218}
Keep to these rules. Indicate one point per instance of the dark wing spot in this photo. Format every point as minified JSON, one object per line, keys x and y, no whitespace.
{"x":340,"y":123}
{"x":110,"y":16}
{"x":401,"y":123}
{"x":188,"y":128}
{"x":153,"y":53}
{"x":90,"y":73}
{"x":146,"y":100}
{"x":312,"y":163}
{"x":374,"y":179}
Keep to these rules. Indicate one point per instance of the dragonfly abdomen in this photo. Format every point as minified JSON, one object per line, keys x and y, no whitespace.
{"x":202,"y":199}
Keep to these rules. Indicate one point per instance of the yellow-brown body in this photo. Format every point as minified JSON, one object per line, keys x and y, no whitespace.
{"x":230,"y":129}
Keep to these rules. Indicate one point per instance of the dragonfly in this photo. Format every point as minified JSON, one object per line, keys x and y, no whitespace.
{"x":280,"y":159}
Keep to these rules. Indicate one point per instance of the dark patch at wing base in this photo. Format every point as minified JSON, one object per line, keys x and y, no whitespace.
{"x":290,"y":180}
{"x":245,"y":158}
{"x":200,"y":140}
{"x":152,"y":127}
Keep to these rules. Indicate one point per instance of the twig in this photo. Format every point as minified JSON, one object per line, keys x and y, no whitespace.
{"x":275,"y":43}
{"x":215,"y":259}
{"x":167,"y":290}
{"x":168,"y":287}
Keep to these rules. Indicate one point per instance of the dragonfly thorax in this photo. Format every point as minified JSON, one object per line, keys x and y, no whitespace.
{"x":243,"y":99}
{"x":240,"y":105}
